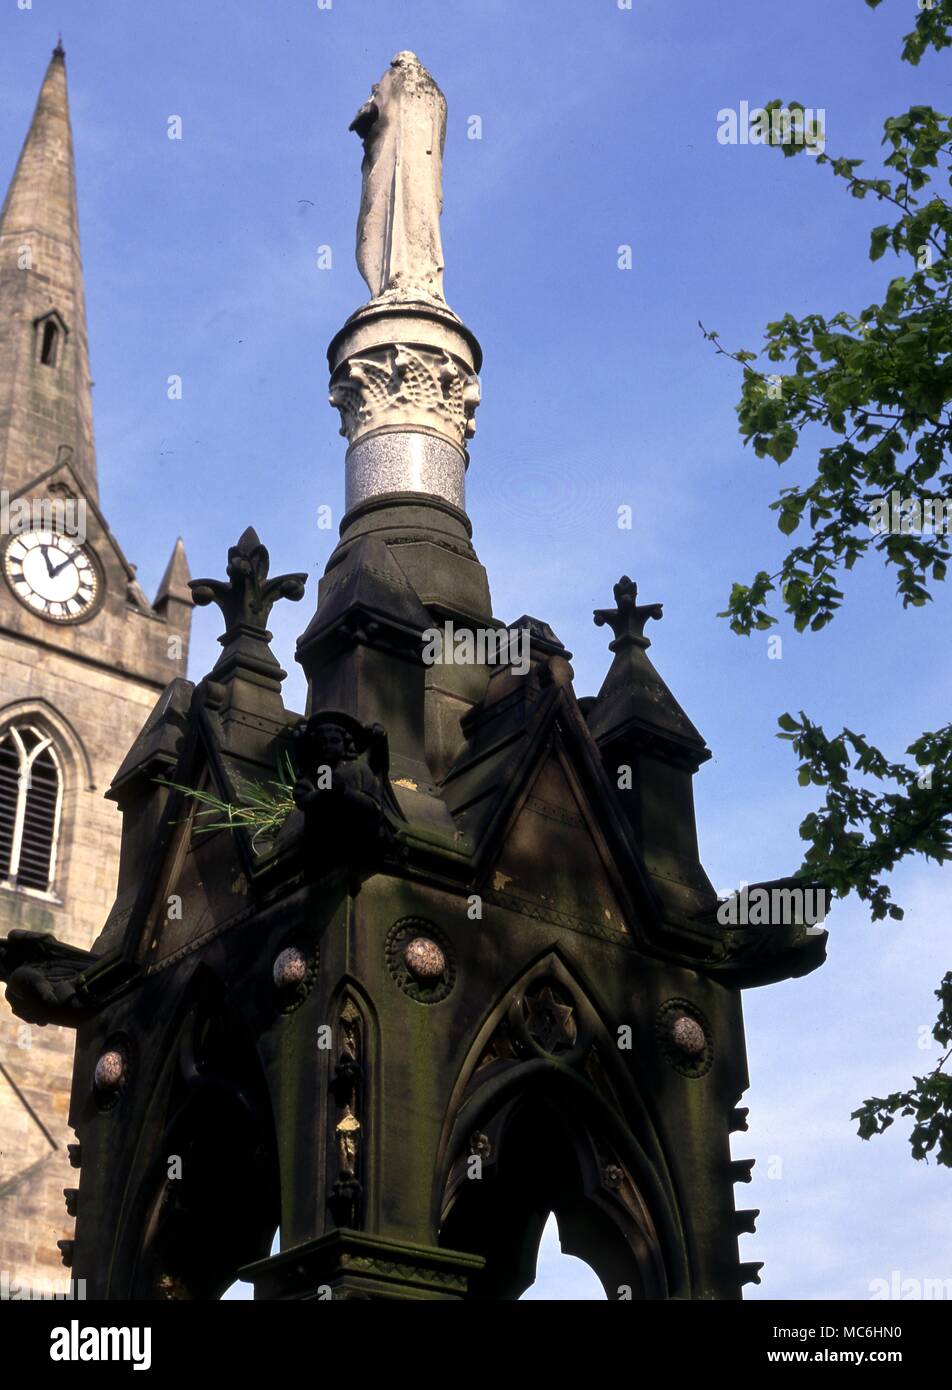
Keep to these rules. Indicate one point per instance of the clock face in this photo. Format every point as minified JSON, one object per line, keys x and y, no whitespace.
{"x":52,"y":574}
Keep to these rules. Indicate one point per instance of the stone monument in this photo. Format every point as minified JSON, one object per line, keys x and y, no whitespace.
{"x":469,"y":969}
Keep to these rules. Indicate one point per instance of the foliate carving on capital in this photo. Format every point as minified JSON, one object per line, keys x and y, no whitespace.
{"x":406,"y":387}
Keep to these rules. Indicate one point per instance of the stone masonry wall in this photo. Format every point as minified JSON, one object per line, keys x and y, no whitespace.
{"x":106,"y":713}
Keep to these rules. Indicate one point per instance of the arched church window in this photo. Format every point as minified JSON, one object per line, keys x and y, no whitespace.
{"x":31,"y":794}
{"x":50,"y":333}
{"x":49,"y":344}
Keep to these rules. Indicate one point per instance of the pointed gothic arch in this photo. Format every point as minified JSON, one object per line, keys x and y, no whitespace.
{"x":50,"y":333}
{"x":185,"y":1228}
{"x":558,"y":1126}
{"x":78,"y":765}
{"x":44,"y":767}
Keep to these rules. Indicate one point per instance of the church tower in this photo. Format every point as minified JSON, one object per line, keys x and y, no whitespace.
{"x":83,"y":654}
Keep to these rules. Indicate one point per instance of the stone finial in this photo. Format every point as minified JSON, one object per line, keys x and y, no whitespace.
{"x":246,"y":599}
{"x":248,"y":595}
{"x":627,"y":620}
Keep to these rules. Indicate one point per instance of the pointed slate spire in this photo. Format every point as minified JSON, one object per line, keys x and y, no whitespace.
{"x":45,"y":395}
{"x":174,"y":602}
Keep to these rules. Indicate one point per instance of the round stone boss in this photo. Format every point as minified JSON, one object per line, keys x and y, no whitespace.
{"x":688,"y":1035}
{"x":424,"y":959}
{"x":684,"y":1036}
{"x":420,"y":959}
{"x":110,"y":1070}
{"x":290,"y":968}
{"x":293,"y":974}
{"x":612,"y":1175}
{"x":111,"y":1073}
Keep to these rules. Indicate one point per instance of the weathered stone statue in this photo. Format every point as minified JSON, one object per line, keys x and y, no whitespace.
{"x":343,"y":790}
{"x":403,"y":127}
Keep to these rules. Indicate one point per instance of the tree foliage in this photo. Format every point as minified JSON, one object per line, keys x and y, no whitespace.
{"x":877,"y":384}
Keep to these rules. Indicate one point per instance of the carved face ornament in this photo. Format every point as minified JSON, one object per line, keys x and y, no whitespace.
{"x":333,"y":744}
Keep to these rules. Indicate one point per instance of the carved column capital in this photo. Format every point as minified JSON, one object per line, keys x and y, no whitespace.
{"x":404,"y":378}
{"x":397,"y":386}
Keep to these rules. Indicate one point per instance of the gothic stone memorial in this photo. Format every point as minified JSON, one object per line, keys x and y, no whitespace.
{"x":406,"y":972}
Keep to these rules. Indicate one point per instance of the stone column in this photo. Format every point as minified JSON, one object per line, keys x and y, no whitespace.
{"x":403,"y":376}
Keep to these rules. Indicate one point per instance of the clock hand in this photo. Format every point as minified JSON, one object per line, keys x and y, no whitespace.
{"x":58,"y":569}
{"x":46,"y":556}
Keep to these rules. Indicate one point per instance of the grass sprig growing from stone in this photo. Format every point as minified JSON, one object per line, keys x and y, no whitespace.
{"x":262,"y":810}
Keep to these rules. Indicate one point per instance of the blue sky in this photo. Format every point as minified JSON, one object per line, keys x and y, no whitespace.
{"x":598,"y":129}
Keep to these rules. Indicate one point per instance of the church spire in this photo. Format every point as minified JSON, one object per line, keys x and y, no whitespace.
{"x":45,"y":397}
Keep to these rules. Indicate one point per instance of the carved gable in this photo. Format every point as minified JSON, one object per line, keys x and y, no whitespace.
{"x":554,"y":859}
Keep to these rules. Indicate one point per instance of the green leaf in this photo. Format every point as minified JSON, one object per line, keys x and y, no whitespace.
{"x":878,"y":241}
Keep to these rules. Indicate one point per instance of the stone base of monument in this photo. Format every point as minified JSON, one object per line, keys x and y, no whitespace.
{"x":347,"y":1264}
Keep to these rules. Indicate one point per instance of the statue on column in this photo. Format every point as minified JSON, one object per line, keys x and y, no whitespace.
{"x":403,"y":127}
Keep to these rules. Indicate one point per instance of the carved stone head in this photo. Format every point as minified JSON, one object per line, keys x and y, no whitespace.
{"x":328,"y":739}
{"x":332,"y":745}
